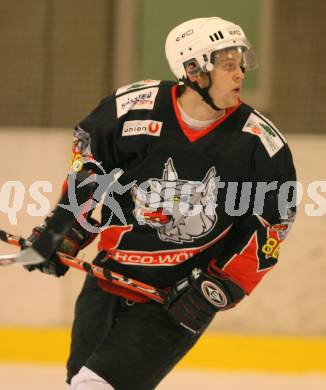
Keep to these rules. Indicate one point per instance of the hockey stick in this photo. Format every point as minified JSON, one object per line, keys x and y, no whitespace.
{"x":111,"y":277}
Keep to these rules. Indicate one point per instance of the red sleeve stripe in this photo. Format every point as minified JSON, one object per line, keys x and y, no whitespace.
{"x":243,"y":268}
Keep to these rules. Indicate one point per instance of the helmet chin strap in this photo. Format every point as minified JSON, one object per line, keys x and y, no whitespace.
{"x":203,"y":92}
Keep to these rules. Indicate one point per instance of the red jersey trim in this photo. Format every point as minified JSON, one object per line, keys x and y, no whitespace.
{"x":243,"y":268}
{"x":194,"y":135}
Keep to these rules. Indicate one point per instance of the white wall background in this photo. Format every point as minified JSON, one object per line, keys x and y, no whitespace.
{"x":291,"y":299}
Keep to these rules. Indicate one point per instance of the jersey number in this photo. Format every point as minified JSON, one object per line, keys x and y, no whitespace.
{"x":271,"y":248}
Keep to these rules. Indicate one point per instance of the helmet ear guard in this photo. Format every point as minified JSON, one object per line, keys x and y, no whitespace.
{"x":192,"y":66}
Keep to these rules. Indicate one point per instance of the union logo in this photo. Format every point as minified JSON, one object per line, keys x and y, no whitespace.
{"x":153,"y":127}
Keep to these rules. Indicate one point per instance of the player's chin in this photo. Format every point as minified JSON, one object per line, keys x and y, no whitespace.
{"x":228,"y":102}
{"x":232,"y":101}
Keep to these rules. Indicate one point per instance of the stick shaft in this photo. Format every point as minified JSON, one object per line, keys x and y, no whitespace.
{"x":115,"y":278}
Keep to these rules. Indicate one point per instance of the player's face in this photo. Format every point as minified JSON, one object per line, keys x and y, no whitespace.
{"x":227,"y":77}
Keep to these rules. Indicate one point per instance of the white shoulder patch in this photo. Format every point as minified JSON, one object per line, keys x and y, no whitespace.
{"x":137,"y":96}
{"x":270,"y":137}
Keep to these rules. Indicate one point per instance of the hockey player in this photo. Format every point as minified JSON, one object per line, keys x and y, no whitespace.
{"x":186,"y":150}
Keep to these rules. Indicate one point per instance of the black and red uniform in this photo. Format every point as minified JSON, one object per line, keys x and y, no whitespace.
{"x":185,"y":210}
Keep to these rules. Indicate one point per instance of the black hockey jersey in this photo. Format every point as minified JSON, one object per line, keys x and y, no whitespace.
{"x":186,"y":198}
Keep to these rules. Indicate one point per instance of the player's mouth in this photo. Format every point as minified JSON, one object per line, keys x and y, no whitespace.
{"x":237,"y":90}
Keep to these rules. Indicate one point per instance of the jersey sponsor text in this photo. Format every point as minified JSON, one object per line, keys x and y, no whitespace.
{"x":146,"y":127}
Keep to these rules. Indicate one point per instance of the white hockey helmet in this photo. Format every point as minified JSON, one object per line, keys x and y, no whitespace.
{"x":196,"y":40}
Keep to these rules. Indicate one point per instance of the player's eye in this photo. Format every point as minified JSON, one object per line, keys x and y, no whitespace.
{"x":229,"y":66}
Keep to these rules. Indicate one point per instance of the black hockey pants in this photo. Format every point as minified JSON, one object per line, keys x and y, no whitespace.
{"x":131,"y":347}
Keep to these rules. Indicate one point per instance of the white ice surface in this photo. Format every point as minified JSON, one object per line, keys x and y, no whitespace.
{"x":51,"y":377}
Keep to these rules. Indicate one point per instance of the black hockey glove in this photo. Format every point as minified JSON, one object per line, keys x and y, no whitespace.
{"x":205,"y":295}
{"x":76,"y":239}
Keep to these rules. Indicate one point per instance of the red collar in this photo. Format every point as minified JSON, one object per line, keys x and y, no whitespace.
{"x":191,"y":134}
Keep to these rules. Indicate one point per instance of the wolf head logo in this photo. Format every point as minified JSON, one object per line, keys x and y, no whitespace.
{"x":180,"y":210}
